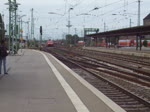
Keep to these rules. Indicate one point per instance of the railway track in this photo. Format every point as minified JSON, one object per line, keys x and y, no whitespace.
{"x":132,"y":59}
{"x":112,"y":68}
{"x":131,"y":102}
{"x":138,"y":68}
{"x":133,"y":77}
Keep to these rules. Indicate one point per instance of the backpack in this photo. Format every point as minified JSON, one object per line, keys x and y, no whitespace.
{"x":3,"y":51}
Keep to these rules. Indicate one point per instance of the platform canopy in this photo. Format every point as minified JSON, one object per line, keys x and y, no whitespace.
{"x":133,"y":31}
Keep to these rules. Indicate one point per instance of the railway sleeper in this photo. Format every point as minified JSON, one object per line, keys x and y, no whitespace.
{"x":131,"y":109}
{"x":124,"y":99}
{"x":109,"y":91}
{"x":114,"y":95}
{"x":136,"y":106}
{"x":119,"y":97}
{"x":129,"y":103}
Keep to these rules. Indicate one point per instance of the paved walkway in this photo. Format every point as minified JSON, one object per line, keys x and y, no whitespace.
{"x":37,"y":82}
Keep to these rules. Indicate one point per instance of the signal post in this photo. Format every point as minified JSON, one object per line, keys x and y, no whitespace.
{"x":41,"y":32}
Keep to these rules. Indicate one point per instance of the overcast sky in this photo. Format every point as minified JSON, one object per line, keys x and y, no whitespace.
{"x":115,"y":14}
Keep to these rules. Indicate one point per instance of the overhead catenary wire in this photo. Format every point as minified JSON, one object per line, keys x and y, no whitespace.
{"x":98,"y":15}
{"x":106,"y":13}
{"x":106,"y":5}
{"x":84,"y":6}
{"x":115,"y":9}
{"x":97,"y":8}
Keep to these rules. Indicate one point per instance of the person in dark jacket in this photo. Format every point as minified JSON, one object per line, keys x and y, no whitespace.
{"x":3,"y":55}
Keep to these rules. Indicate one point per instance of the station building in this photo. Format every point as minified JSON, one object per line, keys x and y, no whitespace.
{"x":146,"y":21}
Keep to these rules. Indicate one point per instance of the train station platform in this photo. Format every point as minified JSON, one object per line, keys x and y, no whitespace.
{"x":145,"y":52}
{"x":38,"y":82}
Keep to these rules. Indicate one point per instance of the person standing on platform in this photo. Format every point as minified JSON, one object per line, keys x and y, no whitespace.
{"x":3,"y":55}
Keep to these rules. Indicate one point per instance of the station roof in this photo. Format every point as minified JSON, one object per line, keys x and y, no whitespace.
{"x":147,"y":17}
{"x":133,"y":31}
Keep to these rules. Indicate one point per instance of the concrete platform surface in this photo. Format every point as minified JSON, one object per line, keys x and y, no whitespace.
{"x":37,"y":82}
{"x":145,"y":52}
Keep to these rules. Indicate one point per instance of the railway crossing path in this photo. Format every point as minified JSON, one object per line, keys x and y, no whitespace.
{"x":38,"y":82}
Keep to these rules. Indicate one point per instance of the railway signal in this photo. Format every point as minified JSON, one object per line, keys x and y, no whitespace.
{"x":41,"y":32}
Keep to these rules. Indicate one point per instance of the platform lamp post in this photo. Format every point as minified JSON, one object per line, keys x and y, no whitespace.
{"x":69,"y":23}
{"x":139,"y":12}
{"x":138,"y":37}
{"x":55,"y":13}
{"x":21,"y":29}
{"x":27,"y":32}
{"x":84,"y":14}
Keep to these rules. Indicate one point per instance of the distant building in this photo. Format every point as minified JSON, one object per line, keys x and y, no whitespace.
{"x":146,"y":20}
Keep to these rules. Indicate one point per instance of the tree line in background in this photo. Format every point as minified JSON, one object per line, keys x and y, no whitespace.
{"x":72,"y":39}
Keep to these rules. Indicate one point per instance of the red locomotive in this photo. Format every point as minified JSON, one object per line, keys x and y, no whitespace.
{"x":49,"y":43}
{"x":80,"y":43}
